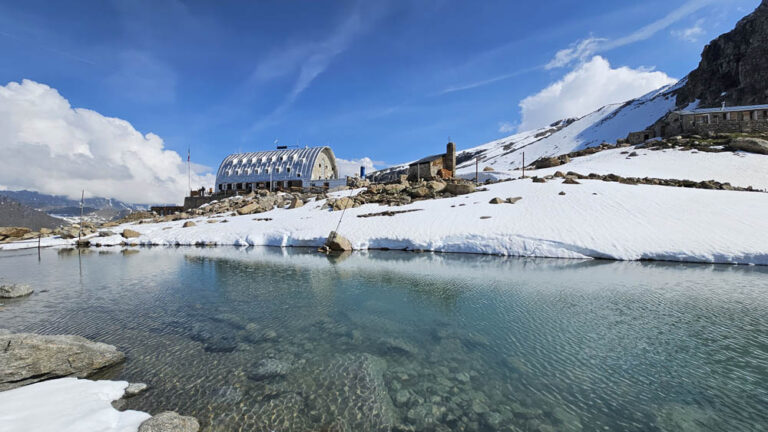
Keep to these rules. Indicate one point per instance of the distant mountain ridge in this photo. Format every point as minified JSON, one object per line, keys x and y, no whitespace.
{"x":13,"y":213}
{"x":61,"y":207}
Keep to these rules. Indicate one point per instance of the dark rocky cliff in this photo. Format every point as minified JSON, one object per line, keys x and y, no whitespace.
{"x":736,"y":63}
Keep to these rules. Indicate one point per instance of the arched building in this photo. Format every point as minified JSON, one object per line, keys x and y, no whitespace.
{"x":277,"y":169}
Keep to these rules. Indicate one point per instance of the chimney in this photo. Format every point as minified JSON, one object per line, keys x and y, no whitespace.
{"x":450,"y":157}
{"x":723,"y":108}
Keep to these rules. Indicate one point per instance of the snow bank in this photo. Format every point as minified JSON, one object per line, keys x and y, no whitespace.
{"x":67,"y":405}
{"x":594,"y":219}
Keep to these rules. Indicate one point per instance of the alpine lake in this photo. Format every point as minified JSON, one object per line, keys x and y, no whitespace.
{"x":269,"y":339}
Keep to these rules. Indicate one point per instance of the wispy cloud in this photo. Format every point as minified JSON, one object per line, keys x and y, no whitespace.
{"x":485,"y":82}
{"x":584,"y":49}
{"x":690,"y":34}
{"x":308,"y":60}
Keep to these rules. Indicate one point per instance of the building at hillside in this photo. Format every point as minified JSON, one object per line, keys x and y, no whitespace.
{"x":281,"y":169}
{"x":436,"y":166}
{"x":735,"y":119}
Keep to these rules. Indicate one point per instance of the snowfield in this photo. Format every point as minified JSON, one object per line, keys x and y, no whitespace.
{"x":67,"y":405}
{"x":594,"y":219}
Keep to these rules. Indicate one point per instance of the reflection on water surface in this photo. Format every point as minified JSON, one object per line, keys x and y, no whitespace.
{"x":291,"y":340}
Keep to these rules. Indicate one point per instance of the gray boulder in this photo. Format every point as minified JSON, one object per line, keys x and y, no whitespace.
{"x":751,"y":145}
{"x":170,"y":421}
{"x":129,"y":233}
{"x":336,"y":242}
{"x":459,"y":188}
{"x":15,"y":290}
{"x":28,"y":358}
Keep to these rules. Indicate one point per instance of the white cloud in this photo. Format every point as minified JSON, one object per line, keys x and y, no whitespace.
{"x":690,"y":34}
{"x":506,"y":127}
{"x":50,"y":147}
{"x":588,"y":87}
{"x":580,"y":50}
{"x":352,"y":167}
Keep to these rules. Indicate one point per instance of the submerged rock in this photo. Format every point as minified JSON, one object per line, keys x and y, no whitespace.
{"x":269,"y":368}
{"x":28,"y":358}
{"x":135,"y":389}
{"x":170,"y":421}
{"x":15,"y":290}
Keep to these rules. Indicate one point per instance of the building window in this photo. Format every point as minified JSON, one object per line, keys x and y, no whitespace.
{"x":229,"y":186}
{"x":288,"y":170}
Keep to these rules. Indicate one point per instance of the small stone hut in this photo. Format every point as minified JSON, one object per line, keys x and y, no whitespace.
{"x":735,"y":119}
{"x":435,"y":166}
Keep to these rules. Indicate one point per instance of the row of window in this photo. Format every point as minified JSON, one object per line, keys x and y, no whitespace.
{"x":740,"y":116}
{"x":263,"y":159}
{"x":259,"y":170}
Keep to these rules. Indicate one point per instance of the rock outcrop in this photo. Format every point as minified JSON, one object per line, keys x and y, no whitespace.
{"x":15,"y":290}
{"x":170,"y":421}
{"x":337,"y":243}
{"x":129,"y":233}
{"x":752,"y":145}
{"x":27,"y":358}
{"x":733,"y":67}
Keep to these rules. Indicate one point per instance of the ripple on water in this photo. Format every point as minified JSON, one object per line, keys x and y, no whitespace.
{"x":268,"y":339}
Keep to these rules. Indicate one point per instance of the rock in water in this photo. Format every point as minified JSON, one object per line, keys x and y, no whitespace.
{"x":170,"y":421}
{"x":15,"y":290}
{"x":269,"y":368}
{"x":354,"y":398}
{"x":338,"y":243}
{"x":135,"y":388}
{"x":28,"y":358}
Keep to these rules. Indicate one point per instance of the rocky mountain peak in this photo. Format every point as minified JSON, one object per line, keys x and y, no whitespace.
{"x":733,"y":67}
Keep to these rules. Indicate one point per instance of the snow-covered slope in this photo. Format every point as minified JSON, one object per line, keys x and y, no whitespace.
{"x":594,"y":219}
{"x":737,"y":168}
{"x":607,"y":124}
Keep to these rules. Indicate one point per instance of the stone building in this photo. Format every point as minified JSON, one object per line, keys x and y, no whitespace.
{"x":736,"y":119}
{"x":436,"y":166}
{"x":281,"y":169}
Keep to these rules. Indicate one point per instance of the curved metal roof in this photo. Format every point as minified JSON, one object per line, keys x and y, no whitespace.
{"x":277,"y":165}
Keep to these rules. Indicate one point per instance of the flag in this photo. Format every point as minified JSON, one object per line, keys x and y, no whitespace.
{"x":188,"y":154}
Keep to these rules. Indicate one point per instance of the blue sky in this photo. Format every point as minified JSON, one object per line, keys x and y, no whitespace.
{"x":389,"y":80}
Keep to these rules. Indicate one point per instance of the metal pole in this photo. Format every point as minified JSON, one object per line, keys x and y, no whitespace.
{"x":80,"y":230}
{"x":523,"y":164}
{"x":477,"y":171}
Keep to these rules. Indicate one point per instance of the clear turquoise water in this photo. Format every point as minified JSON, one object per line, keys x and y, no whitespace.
{"x":291,"y":340}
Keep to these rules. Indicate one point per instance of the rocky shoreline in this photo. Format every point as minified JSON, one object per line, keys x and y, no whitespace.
{"x":28,"y":358}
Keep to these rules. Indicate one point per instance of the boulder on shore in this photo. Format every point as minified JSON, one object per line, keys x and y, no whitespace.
{"x":170,"y":421}
{"x":337,"y":243}
{"x":15,"y":290}
{"x":28,"y":358}
{"x":129,"y":233}
{"x":13,"y":232}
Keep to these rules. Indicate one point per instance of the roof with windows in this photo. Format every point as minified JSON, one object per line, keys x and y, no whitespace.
{"x":275,"y":165}
{"x":725,"y":109}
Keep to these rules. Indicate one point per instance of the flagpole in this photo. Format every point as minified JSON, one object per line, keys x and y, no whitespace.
{"x":189,"y":171}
